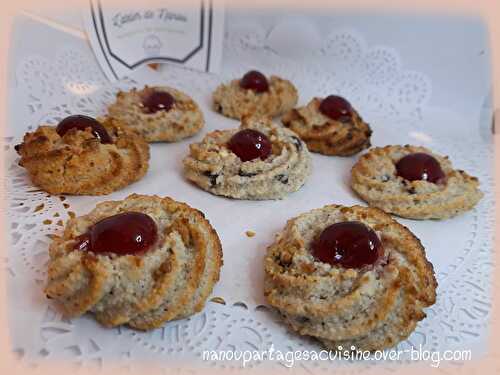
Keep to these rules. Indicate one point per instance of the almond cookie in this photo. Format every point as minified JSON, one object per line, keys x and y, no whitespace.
{"x":260,"y":160}
{"x":141,"y":261}
{"x":350,"y":277}
{"x":254,"y":94}
{"x":330,"y":126}
{"x":84,"y":156}
{"x":414,"y":183}
{"x":160,"y":114}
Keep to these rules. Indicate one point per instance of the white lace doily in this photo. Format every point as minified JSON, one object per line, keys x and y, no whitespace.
{"x":391,"y":98}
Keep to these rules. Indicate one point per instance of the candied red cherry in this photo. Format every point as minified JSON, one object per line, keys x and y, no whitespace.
{"x":82,"y":122}
{"x":336,"y":107}
{"x":158,"y":101}
{"x":255,"y":81}
{"x":350,"y":244}
{"x":420,"y":166}
{"x":250,"y":144}
{"x":127,"y":233}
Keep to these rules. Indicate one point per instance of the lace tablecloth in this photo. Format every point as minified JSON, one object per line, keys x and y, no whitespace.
{"x":67,"y":80}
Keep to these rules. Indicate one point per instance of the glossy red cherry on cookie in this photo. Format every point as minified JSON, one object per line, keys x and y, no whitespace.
{"x":420,"y":166}
{"x":250,"y":144}
{"x":254,"y":80}
{"x":82,"y":122}
{"x":158,"y":101}
{"x":127,"y":233}
{"x":350,"y":244}
{"x":336,"y":107}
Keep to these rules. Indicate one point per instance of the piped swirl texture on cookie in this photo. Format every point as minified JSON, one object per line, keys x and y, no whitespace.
{"x":167,"y":274}
{"x":215,"y":167}
{"x":84,"y":156}
{"x":256,"y":95}
{"x":413,"y":182}
{"x":329,"y":126}
{"x":372,"y":302}
{"x":160,"y":114}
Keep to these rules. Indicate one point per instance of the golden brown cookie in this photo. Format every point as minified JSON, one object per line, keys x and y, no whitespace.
{"x":278,"y":166}
{"x":343,"y":134}
{"x":84,"y":161}
{"x":141,"y":261}
{"x":387,"y":178}
{"x":160,"y":114}
{"x":255,"y":95}
{"x":349,"y":276}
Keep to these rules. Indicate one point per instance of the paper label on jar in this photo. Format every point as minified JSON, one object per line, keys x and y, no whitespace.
{"x":187,"y":33}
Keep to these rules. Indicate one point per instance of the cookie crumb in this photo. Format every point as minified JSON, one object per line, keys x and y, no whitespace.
{"x":250,"y":233}
{"x":218,"y":300}
{"x":39,"y":207}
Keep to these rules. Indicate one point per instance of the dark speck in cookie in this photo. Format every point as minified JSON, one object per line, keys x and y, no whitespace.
{"x":243,"y":174}
{"x":283,"y":178}
{"x":213,"y":178}
{"x":297,"y":142}
{"x":303,"y":319}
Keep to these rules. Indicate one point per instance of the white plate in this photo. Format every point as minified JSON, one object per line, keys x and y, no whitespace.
{"x":54,"y":81}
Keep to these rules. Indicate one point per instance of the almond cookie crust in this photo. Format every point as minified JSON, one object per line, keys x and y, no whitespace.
{"x":233,"y":101}
{"x":215,"y":168}
{"x":79,"y":164}
{"x":327,"y":136}
{"x":172,"y":280}
{"x":371,"y":308}
{"x":183,"y":120}
{"x":375,"y":180}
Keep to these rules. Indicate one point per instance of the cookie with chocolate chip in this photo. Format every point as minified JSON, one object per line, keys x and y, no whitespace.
{"x":260,"y":160}
{"x":329,"y":126}
{"x":84,"y":156}
{"x":414,"y":182}
{"x":159,"y":114}
{"x":349,"y":276}
{"x":255,"y":94}
{"x":141,"y":261}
